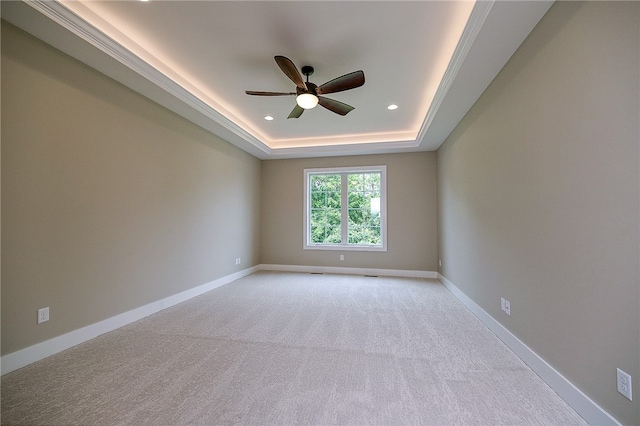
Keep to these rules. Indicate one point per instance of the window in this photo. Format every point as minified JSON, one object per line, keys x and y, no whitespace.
{"x":345,"y":208}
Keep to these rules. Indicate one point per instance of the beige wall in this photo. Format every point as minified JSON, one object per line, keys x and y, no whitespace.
{"x":109,"y":201}
{"x":539,"y":197}
{"x":411,"y":213}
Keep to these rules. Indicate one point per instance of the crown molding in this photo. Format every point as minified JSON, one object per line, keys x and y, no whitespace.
{"x":480,"y":54}
{"x":494,"y":31}
{"x":180,"y":100}
{"x":476,"y":20}
{"x":344,"y":150}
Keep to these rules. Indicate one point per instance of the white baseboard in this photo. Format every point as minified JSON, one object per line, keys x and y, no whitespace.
{"x":26,"y":356}
{"x":349,"y":271}
{"x":581,"y":403}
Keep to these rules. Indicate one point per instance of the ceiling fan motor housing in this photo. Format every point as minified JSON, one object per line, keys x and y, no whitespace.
{"x":311,"y":88}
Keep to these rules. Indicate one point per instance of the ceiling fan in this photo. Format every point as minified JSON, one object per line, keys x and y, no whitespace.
{"x":308,"y":95}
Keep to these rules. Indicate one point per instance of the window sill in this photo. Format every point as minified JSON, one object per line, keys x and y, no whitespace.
{"x":344,"y":247}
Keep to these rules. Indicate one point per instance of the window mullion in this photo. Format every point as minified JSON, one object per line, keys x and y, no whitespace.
{"x":344,"y":212}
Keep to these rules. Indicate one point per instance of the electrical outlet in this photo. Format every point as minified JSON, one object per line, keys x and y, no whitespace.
{"x":237,"y":260}
{"x":342,"y":257}
{"x":43,"y":315}
{"x":505,"y":306}
{"x":624,"y":384}
{"x":440,"y":262}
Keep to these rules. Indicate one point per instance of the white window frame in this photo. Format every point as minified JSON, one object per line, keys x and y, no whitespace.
{"x":344,"y":171}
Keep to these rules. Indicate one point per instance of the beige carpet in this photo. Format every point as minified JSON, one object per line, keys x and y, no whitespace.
{"x":284,"y":348}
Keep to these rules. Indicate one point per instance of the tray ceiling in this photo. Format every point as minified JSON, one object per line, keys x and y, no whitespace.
{"x":433,"y":59}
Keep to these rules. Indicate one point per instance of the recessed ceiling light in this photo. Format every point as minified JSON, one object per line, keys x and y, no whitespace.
{"x":392,"y":107}
{"x":268,"y":118}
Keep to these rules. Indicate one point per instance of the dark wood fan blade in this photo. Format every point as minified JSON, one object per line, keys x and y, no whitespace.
{"x":335,"y":106}
{"x":297,"y":112}
{"x":251,"y":92}
{"x":345,"y":82}
{"x":291,"y":71}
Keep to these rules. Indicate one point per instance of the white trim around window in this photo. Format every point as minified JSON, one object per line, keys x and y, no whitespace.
{"x":343,"y":208}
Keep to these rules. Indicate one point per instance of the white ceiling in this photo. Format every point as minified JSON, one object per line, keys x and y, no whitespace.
{"x":431,"y":58}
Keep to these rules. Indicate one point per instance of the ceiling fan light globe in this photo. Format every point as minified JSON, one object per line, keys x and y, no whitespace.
{"x":307,"y":100}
